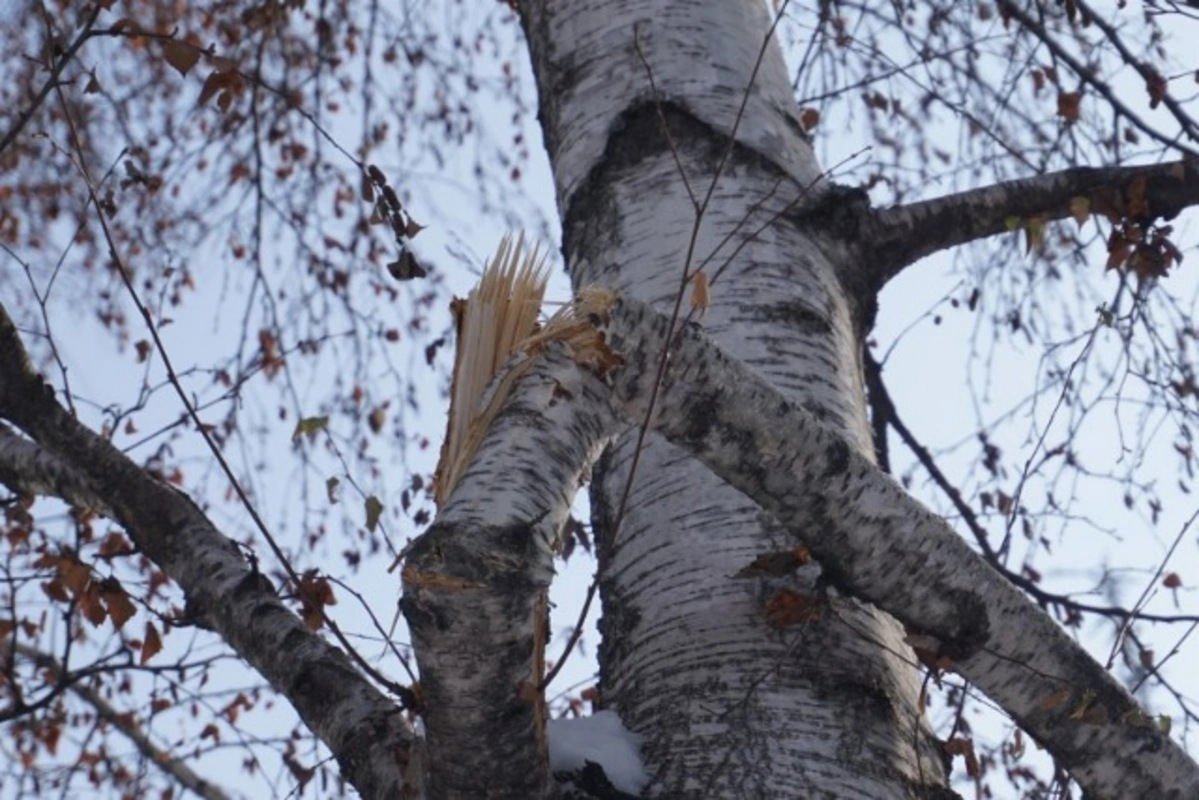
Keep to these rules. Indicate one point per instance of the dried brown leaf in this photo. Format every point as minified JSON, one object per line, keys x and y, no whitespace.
{"x":179,"y":55}
{"x":151,"y":644}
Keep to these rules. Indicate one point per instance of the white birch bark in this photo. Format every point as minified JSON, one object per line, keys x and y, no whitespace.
{"x":728,"y":705}
{"x":476,"y":579}
{"x":476,"y":583}
{"x":877,"y":543}
{"x":482,"y":567}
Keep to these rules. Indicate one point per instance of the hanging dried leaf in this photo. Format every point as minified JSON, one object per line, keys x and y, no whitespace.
{"x":776,"y":564}
{"x":180,"y":56}
{"x":90,"y":605}
{"x":1034,"y":235}
{"x":1067,"y":105}
{"x":809,"y":118}
{"x":412,"y":228}
{"x":309,"y":426}
{"x":120,"y":607}
{"x":961,"y":746}
{"x":789,"y":607}
{"x":1155,"y":85}
{"x":223,"y":84}
{"x":151,"y":643}
{"x":406,"y":267}
{"x":314,"y":593}
{"x":1118,"y":249}
{"x":374,"y":509}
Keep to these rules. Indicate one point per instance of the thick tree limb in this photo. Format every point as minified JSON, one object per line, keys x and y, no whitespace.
{"x":475,"y":585}
{"x":362,"y":728}
{"x":879,"y":544}
{"x":28,"y":469}
{"x":893,"y":238}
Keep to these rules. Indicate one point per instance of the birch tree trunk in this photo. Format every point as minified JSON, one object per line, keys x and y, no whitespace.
{"x":748,"y":672}
{"x":675,"y":146}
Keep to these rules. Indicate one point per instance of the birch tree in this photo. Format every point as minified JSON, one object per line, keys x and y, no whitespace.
{"x":774,"y":603}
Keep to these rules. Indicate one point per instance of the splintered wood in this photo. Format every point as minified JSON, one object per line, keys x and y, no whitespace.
{"x":497,"y":315}
{"x":496,"y":321}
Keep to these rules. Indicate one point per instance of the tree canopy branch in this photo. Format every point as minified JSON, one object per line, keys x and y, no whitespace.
{"x":173,"y":766}
{"x":362,"y":728}
{"x":896,"y":237}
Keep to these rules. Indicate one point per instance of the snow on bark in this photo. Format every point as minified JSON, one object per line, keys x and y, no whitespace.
{"x":363,"y":729}
{"x":728,"y":704}
{"x":600,"y":739}
{"x":475,"y":584}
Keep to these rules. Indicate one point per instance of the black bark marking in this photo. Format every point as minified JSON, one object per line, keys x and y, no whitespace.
{"x":591,"y":214}
{"x":795,"y":315}
{"x":701,"y":417}
{"x":974,"y":625}
{"x":837,"y":458}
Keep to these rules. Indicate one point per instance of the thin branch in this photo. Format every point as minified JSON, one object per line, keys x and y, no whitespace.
{"x":1185,"y":121}
{"x":173,"y":378}
{"x":51,"y":82}
{"x":576,"y":633}
{"x":169,"y":764}
{"x":1089,"y":76}
{"x":885,"y":416}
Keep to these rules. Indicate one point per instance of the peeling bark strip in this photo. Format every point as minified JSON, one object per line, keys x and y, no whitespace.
{"x":361,"y":727}
{"x":879,"y":544}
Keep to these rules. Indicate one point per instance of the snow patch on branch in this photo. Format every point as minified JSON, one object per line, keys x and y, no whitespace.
{"x":601,"y":739}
